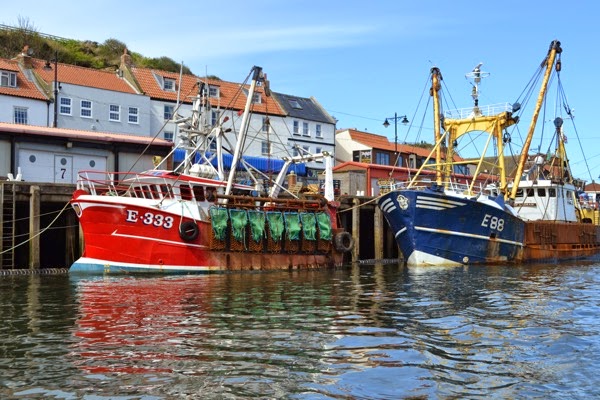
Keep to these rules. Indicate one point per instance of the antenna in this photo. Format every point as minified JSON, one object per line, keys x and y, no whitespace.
{"x":475,"y":75}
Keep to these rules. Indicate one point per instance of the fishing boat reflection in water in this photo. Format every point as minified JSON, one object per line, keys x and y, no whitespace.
{"x":130,"y":325}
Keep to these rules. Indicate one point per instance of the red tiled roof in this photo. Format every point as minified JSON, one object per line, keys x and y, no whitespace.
{"x":25,"y":88}
{"x":229,"y":92}
{"x":382,"y":143}
{"x":75,"y":134}
{"x":83,"y":76}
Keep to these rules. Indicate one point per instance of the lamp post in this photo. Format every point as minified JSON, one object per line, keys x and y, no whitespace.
{"x":48,"y":67}
{"x":386,"y":124}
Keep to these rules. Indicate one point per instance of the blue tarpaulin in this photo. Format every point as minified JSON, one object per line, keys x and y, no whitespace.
{"x":263,"y":164}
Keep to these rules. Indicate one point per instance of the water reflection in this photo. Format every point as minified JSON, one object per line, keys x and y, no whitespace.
{"x":377,"y":331}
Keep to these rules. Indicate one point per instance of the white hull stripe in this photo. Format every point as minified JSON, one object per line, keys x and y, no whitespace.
{"x":470,"y":235}
{"x":439,"y":202}
{"x":126,"y":266}
{"x":400,"y":232}
{"x":433,"y":207}
{"x":158,"y":240}
{"x":388,"y":205}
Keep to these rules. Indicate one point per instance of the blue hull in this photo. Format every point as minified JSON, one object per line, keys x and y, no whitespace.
{"x":432,"y":228}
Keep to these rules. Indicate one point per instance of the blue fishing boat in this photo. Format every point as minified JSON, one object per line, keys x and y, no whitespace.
{"x":491,"y":217}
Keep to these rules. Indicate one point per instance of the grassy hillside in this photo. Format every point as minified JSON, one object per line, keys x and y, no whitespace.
{"x":86,"y":53}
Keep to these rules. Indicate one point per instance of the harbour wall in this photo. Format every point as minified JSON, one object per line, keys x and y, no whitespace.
{"x":40,"y":230}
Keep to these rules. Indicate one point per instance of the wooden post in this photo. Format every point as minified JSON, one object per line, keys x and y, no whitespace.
{"x":356,"y":230}
{"x":378,"y":233}
{"x":71,"y":238}
{"x":34,"y":227}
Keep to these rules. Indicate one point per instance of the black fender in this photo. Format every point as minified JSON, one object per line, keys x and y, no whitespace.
{"x":188,"y":231}
{"x":343,"y":242}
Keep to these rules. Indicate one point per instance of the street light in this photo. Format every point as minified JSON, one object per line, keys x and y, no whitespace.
{"x":48,"y":67}
{"x":386,"y":124}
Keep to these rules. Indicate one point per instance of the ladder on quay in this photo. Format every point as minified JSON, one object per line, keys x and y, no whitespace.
{"x":7,"y":225}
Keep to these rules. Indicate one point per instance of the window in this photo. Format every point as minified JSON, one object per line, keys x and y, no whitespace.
{"x":541,"y":192}
{"x":265,"y":124}
{"x":8,"y":79}
{"x":85,"y":109}
{"x":295,"y":104}
{"x":257,"y":98}
{"x":169,"y":84}
{"x":382,"y":158}
{"x":168,"y":112}
{"x":20,"y":115}
{"x":213,"y":91}
{"x":214,"y":116}
{"x":318,"y":150}
{"x":305,"y":131}
{"x":133,"y":115}
{"x":306,"y":149}
{"x":552,"y":192}
{"x":318,"y":132}
{"x":65,"y":106}
{"x":266,"y":147}
{"x":296,"y":127}
{"x":114,"y":112}
{"x":168,"y":136}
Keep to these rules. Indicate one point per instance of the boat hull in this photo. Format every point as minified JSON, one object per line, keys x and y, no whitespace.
{"x":551,"y":241}
{"x":128,"y":238}
{"x":432,"y":228}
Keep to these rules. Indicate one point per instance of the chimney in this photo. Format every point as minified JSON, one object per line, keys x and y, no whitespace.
{"x":24,"y":58}
{"x":126,"y":59}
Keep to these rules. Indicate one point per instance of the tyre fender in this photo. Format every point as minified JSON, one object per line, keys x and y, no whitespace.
{"x":343,"y":242}
{"x":188,"y":231}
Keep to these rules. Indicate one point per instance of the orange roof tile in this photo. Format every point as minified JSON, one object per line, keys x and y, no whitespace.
{"x":229,"y":92}
{"x":25,"y":87}
{"x":382,"y":143}
{"x":83,"y":76}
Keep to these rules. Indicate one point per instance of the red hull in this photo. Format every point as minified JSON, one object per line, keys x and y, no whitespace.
{"x":131,"y":237}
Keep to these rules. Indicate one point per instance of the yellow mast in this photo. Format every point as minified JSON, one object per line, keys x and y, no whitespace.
{"x":549,"y":61}
{"x":435,"y":87}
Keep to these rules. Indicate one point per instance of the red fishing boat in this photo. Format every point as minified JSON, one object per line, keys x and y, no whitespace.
{"x":198,"y":217}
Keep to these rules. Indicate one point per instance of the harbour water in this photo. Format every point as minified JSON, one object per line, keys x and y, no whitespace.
{"x":361,"y":332}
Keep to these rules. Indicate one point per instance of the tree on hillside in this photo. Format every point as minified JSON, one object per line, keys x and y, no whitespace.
{"x":165,"y":64}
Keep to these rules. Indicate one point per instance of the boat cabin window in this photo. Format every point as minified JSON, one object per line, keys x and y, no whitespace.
{"x":147,"y":192}
{"x":199,"y":193}
{"x":542,"y":192}
{"x":530,"y":192}
{"x":186,"y":192}
{"x":519,"y":193}
{"x":210,"y":194}
{"x":552,"y":192}
{"x":138,"y":192}
{"x":167,"y":191}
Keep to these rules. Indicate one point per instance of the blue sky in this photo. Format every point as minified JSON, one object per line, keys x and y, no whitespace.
{"x":362,"y":60}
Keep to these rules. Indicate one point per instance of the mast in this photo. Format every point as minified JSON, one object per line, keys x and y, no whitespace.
{"x":239,"y":146}
{"x":549,"y":62}
{"x":435,"y":87}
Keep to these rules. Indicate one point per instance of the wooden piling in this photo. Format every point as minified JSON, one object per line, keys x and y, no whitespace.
{"x":34,"y":227}
{"x":356,"y":230}
{"x":378,"y":233}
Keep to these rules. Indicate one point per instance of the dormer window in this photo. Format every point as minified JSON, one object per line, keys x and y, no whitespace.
{"x":295,"y":104}
{"x":8,"y":79}
{"x":213,"y":91}
{"x":257,"y":98}
{"x":169,"y":84}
